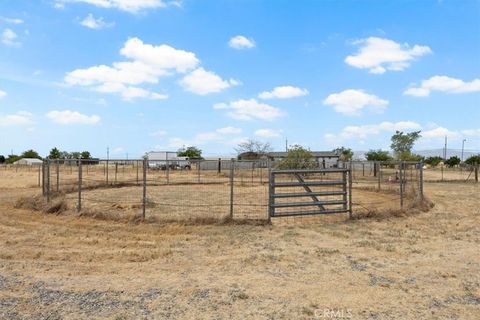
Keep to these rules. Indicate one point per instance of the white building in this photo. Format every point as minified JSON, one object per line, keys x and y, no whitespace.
{"x":29,"y":162}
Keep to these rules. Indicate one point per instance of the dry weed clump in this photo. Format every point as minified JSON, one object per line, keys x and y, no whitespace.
{"x":38,"y":203}
{"x":417,"y":206}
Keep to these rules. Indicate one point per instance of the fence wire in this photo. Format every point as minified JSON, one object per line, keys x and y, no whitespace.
{"x":213,"y":189}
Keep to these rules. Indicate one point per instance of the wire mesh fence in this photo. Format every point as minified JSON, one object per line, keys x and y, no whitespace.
{"x":386,"y":185}
{"x":218,"y":189}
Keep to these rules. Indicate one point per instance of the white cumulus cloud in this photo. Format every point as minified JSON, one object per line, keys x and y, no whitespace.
{"x":471,"y":132}
{"x":267,"y":133}
{"x":241,"y":42}
{"x":283,"y":92}
{"x":226,"y":135}
{"x":443,"y":84}
{"x":351,"y":102}
{"x":159,"y":133}
{"x":379,"y":55}
{"x":148,"y":63}
{"x":8,"y":38}
{"x":229,"y":130}
{"x":11,"y":20}
{"x":250,"y":109}
{"x":95,"y":23}
{"x":440,"y":132}
{"x":203,"y":82}
{"x":132,"y":6}
{"x":364,"y":131}
{"x":19,"y":118}
{"x":67,"y":117}
{"x":2,"y":94}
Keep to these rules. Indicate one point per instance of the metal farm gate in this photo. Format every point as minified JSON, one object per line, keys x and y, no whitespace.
{"x":310,"y":192}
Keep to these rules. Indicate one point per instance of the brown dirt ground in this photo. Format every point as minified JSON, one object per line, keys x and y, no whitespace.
{"x":422,"y":265}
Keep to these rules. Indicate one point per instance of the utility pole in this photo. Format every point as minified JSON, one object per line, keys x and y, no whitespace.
{"x":286,"y":145}
{"x":445,"y":150}
{"x":463,"y":146}
{"x":108,"y":153}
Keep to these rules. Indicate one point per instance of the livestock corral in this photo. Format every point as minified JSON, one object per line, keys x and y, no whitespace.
{"x":226,"y":188}
{"x":74,"y":243}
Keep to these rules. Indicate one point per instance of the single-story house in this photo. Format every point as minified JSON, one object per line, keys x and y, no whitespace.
{"x":29,"y":162}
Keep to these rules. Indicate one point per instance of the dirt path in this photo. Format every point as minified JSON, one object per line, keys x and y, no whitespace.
{"x":420,"y":266}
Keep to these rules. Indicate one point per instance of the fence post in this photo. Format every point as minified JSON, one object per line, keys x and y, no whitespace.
{"x":350,"y":187}
{"x":476,"y":173}
{"x":144,"y":196}
{"x":219,"y":169}
{"x":232,"y":164}
{"x":401,"y":183}
{"x":136,"y":162}
{"x":168,"y":171}
{"x":48,"y":181}
{"x":43,"y":177}
{"x":58,"y":173}
{"x":106,"y":170}
{"x":379,"y":173}
{"x":421,"y":180}
{"x":198,"y":170}
{"x":39,"y":169}
{"x":116,"y":171}
{"x":79,"y":206}
{"x":271,"y":183}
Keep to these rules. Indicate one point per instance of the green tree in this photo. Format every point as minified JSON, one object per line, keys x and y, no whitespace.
{"x":191,"y":152}
{"x":402,"y":144}
{"x":12,"y":158}
{"x":473,"y":160}
{"x":453,"y":161}
{"x":85,"y":155}
{"x":75,"y":155}
{"x":31,"y":154}
{"x":409,"y":156}
{"x":433,"y":161}
{"x":378,"y":155}
{"x":346,"y":154}
{"x":65,"y":155}
{"x":298,"y":158}
{"x":254,"y":146}
{"x":2,"y":159}
{"x":54,"y":154}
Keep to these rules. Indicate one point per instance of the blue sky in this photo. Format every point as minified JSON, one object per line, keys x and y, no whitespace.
{"x":152,"y":74}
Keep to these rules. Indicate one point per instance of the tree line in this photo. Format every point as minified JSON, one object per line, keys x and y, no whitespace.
{"x":55,"y":153}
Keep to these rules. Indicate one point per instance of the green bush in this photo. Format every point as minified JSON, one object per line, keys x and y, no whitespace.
{"x":298,"y":158}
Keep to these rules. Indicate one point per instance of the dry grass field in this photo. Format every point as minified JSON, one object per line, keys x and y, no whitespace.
{"x":415,"y":265}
